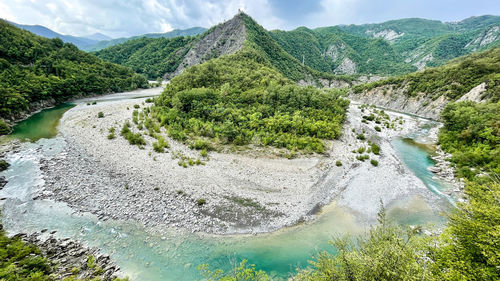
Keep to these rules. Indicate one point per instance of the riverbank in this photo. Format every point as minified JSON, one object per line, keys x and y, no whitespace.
{"x":242,"y":193}
{"x":71,"y":259}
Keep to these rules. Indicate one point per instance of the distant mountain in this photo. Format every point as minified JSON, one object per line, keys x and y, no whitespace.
{"x":106,"y":43}
{"x":383,"y":49}
{"x":80,"y":42}
{"x":425,"y":43}
{"x":99,"y":37}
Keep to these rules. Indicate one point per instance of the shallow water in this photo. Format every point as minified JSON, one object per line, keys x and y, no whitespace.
{"x":165,"y":254}
{"x":41,"y":125}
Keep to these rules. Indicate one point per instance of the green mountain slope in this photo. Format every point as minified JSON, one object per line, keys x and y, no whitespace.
{"x":474,"y":77}
{"x":389,"y":48}
{"x":152,"y":57}
{"x":171,"y":57}
{"x":332,"y":50}
{"x":35,"y":69}
{"x":171,"y":34}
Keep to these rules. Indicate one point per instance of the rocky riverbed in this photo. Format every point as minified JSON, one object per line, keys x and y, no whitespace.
{"x":239,"y":192}
{"x":70,"y":258}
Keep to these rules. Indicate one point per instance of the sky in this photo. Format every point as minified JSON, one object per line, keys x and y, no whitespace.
{"x":123,"y":18}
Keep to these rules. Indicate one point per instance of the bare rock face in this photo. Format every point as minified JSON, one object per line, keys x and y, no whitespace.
{"x":226,"y":38}
{"x":387,"y":34}
{"x":395,"y":98}
{"x":475,"y":93}
{"x":347,"y":66}
{"x":490,"y":36}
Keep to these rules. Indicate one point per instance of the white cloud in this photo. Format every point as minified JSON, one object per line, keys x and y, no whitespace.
{"x":131,"y":17}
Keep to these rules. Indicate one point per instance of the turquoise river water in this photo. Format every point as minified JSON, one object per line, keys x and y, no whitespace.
{"x":165,"y":254}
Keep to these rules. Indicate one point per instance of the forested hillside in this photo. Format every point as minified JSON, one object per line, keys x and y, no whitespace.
{"x":34,"y":69}
{"x":170,"y":57}
{"x":331,"y":50}
{"x":152,"y":57}
{"x":452,"y":80}
{"x":255,"y":105}
{"x":171,"y":34}
{"x":389,"y":48}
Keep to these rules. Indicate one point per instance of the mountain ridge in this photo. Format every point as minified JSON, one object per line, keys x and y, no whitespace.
{"x":391,"y":48}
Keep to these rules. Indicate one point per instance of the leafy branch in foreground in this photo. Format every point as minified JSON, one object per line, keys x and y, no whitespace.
{"x":239,"y":272}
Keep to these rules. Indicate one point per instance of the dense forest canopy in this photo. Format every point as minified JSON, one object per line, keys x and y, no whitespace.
{"x":240,"y":99}
{"x":152,"y":57}
{"x":33,"y":69}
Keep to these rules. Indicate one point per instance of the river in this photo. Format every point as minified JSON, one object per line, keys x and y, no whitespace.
{"x":165,"y":254}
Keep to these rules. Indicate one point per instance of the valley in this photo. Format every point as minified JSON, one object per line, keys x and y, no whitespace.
{"x":349,"y":152}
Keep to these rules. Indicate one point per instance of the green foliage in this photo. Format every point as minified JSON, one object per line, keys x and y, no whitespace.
{"x":152,"y":57}
{"x":33,"y":69}
{"x":21,"y":261}
{"x":238,"y":273}
{"x":388,"y":252}
{"x":374,"y":162}
{"x":133,"y":138}
{"x":361,"y":137}
{"x":338,"y":163}
{"x":324,"y":49}
{"x":471,"y":132}
{"x":4,"y":165}
{"x":452,"y":80}
{"x":378,"y":129}
{"x":375,"y":148}
{"x":100,"y":114}
{"x":237,"y":100}
{"x":469,"y":246}
{"x":161,"y":144}
{"x":4,"y":128}
{"x":91,"y":262}
{"x":201,"y":201}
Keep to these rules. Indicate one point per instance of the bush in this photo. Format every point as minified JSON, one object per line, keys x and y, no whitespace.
{"x":338,"y":163}
{"x":375,"y":148}
{"x":361,"y":137}
{"x":374,"y":162}
{"x":201,"y":202}
{"x":377,"y":128}
{"x":238,"y":100}
{"x":100,"y":114}
{"x":136,"y":106}
{"x":111,"y":133}
{"x":4,"y":165}
{"x":362,"y":158}
{"x":4,"y":128}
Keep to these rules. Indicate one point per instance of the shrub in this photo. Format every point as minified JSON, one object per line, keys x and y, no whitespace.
{"x":100,"y":114}
{"x":361,"y":137}
{"x":201,"y":202}
{"x":4,"y":128}
{"x":378,"y":129}
{"x":94,"y":102}
{"x":204,"y":153}
{"x":4,"y":165}
{"x":374,"y":162}
{"x":338,"y":163}
{"x":111,"y":133}
{"x":136,"y":106}
{"x":362,"y":158}
{"x":361,"y":150}
{"x":375,"y":148}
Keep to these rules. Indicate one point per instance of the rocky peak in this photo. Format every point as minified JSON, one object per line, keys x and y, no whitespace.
{"x":223,"y":39}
